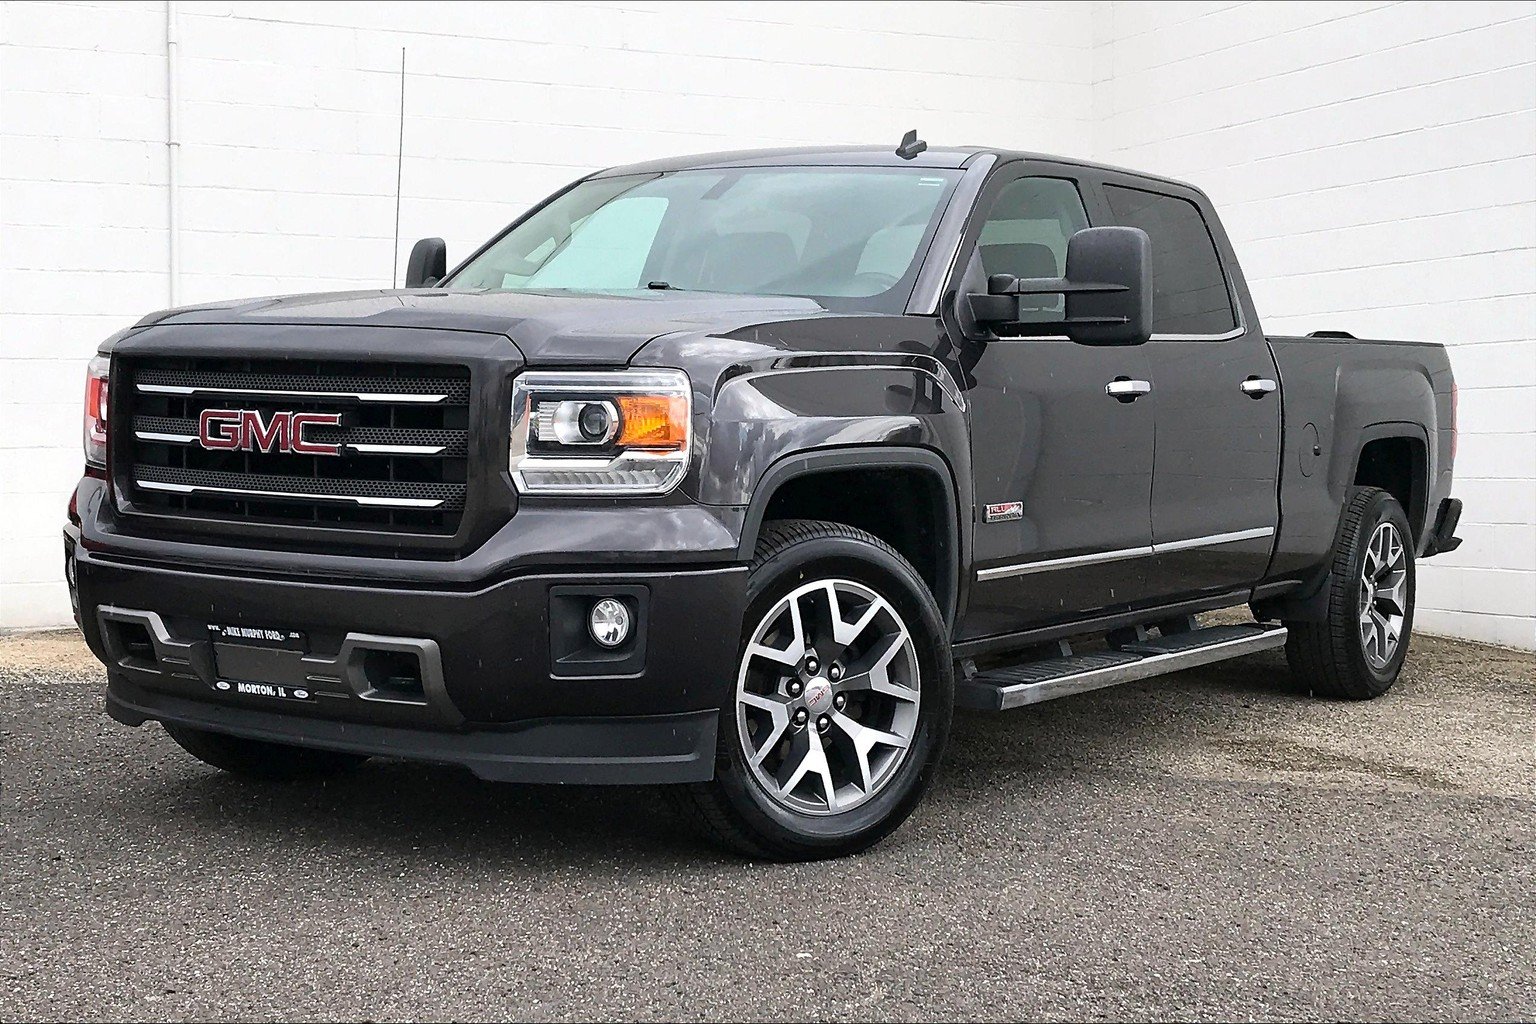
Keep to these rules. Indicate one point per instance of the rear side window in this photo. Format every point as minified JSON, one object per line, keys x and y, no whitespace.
{"x":1189,"y":290}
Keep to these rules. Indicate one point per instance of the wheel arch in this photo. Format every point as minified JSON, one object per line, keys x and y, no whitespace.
{"x":1395,"y":458}
{"x":835,"y":485}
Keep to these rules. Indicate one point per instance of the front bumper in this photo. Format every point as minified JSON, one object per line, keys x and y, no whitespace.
{"x":586,"y":751}
{"x":495,"y":676}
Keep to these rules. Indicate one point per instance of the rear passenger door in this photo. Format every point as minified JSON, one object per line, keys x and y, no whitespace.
{"x":1215,"y":391}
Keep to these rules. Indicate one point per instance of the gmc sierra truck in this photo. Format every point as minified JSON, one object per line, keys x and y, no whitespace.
{"x":740,"y":472}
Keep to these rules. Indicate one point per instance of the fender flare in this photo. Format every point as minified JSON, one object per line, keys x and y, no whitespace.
{"x":1420,"y":517}
{"x":823,"y":460}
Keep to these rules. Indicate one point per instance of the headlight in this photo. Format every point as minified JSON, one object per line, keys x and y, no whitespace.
{"x":96,"y":412}
{"x":626,"y":432}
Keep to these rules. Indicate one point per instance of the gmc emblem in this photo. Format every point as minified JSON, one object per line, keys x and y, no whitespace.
{"x":244,"y":430}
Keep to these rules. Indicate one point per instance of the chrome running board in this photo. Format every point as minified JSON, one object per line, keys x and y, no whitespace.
{"x":1016,"y":686}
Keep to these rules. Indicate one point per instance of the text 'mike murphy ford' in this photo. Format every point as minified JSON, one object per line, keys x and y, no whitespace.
{"x":739,"y":472}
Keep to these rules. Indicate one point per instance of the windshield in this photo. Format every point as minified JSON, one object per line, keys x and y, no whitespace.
{"x":849,"y":238}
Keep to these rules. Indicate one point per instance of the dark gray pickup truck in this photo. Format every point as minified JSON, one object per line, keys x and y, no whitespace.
{"x":740,"y":472}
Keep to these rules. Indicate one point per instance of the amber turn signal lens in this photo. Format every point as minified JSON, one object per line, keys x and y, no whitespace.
{"x":653,"y":421}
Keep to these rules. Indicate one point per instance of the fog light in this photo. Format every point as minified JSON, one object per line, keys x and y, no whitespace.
{"x":609,"y":622}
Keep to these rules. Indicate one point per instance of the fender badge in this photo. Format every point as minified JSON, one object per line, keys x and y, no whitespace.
{"x":1003,"y":512}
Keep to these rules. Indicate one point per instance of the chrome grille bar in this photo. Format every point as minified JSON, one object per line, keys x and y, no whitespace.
{"x":359,"y":396}
{"x":244,"y":492}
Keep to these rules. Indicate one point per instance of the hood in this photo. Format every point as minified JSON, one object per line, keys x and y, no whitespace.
{"x":550,"y":328}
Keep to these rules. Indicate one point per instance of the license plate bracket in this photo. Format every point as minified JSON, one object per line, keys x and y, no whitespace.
{"x":258,"y":636}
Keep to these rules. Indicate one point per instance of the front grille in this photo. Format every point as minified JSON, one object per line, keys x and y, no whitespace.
{"x":402,"y":444}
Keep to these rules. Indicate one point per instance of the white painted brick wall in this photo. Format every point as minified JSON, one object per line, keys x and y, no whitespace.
{"x":1376,"y":165}
{"x":289,"y":131}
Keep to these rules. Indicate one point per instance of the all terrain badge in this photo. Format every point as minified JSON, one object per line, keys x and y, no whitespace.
{"x":1002,"y":512}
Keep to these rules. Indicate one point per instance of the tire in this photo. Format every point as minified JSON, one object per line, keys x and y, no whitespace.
{"x":863,"y":785}
{"x":257,"y":759}
{"x":1357,"y":652}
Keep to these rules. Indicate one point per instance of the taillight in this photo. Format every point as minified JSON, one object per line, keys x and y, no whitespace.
{"x":96,"y":412}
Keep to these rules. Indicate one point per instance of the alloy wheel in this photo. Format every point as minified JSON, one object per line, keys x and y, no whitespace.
{"x":1383,"y":603}
{"x":827,"y":697}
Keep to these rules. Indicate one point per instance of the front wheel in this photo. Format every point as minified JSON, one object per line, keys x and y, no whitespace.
{"x":841,"y":702}
{"x":1358,"y":651}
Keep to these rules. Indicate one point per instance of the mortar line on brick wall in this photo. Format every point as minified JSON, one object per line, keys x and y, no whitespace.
{"x":1175,"y":23}
{"x":1253,"y":282}
{"x":1208,"y":172}
{"x":1378,"y":179}
{"x":1425,"y":261}
{"x":1340,"y":228}
{"x":1345,"y":101}
{"x":1168,"y":101}
{"x":773,"y":61}
{"x":861,"y":30}
{"x":1386,"y":135}
{"x":1265,"y":41}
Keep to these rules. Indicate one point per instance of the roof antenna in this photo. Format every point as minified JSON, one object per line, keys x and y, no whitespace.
{"x":394,"y":281}
{"x":910,"y":146}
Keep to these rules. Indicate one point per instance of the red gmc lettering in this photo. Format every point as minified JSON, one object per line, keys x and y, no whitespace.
{"x":247,"y":430}
{"x":300,"y":420}
{"x":265,"y":437}
{"x":220,"y":429}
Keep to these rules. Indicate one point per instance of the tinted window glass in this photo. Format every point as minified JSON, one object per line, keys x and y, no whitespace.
{"x":1026,"y":232}
{"x":1189,"y":291}
{"x":851,"y":238}
{"x":1028,"y":226}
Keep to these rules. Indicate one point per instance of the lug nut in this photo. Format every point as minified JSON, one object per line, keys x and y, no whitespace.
{"x":801,"y":716}
{"x":823,"y":723}
{"x":812,"y":665}
{"x":840,"y":701}
{"x":835,"y":673}
{"x":795,"y":686}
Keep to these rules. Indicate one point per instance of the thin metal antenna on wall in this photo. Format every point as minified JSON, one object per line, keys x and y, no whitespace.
{"x":394,"y":272}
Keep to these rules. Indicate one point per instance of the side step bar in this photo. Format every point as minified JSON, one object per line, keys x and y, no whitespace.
{"x":999,"y":689}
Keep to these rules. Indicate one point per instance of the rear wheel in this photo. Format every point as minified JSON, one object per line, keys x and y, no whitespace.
{"x":1358,"y":651}
{"x":258,"y":759}
{"x":841,"y":702}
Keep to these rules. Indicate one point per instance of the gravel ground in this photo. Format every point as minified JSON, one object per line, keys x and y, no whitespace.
{"x":1210,"y":845}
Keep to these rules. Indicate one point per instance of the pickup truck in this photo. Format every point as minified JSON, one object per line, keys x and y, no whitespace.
{"x":740,"y":472}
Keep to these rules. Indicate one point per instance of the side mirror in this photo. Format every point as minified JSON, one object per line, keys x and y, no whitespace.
{"x":428,"y":263}
{"x":1108,"y":289}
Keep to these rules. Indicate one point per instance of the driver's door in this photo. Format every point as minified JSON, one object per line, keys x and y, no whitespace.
{"x":1063,"y":470}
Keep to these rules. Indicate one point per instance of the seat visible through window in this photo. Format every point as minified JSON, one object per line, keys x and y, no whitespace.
{"x":748,"y":261}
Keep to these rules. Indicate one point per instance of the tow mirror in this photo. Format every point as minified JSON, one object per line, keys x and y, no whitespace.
{"x":1108,"y":290}
{"x":428,"y":263}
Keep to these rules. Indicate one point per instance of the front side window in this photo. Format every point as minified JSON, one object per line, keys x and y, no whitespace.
{"x":1025,"y":234}
{"x":849,"y":238}
{"x":1189,"y":290}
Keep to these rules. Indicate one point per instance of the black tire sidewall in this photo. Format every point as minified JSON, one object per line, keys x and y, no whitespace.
{"x":781,"y":828}
{"x":1383,"y":508}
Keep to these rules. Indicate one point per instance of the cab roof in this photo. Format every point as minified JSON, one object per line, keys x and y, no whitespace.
{"x":943,"y":157}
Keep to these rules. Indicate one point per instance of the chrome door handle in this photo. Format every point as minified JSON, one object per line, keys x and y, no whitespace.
{"x":1123,"y":389}
{"x":1257,"y":387}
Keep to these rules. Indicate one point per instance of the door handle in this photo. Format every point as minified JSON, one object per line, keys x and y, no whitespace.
{"x":1124,"y":389}
{"x":1257,"y":387}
